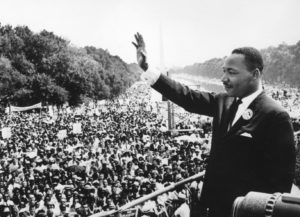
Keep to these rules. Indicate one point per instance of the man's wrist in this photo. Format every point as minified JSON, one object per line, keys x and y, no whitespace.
{"x":150,"y":76}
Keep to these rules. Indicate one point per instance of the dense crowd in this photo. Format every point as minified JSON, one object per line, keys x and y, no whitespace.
{"x":123,"y":153}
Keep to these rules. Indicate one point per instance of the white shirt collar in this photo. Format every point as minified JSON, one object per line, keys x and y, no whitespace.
{"x":246,"y":101}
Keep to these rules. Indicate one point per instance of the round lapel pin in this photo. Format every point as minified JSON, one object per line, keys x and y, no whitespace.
{"x":247,"y":115}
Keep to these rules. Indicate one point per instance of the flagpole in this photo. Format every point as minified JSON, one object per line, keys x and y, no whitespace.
{"x":40,"y":115}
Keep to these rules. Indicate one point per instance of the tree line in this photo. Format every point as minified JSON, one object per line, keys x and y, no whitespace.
{"x":282,"y":66}
{"x":42,"y":66}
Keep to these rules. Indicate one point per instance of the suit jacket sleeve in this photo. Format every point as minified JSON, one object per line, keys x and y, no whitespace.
{"x":279,"y":155}
{"x":193,"y":101}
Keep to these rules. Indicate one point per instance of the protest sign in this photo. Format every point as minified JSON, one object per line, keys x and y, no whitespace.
{"x":77,"y":128}
{"x":62,"y":134}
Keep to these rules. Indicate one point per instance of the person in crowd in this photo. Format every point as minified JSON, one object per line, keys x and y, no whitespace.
{"x":183,"y":210}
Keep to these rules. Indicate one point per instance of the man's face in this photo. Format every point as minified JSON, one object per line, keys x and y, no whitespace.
{"x":59,"y":196}
{"x":238,"y":81}
{"x":31,"y":199}
{"x":31,"y":210}
{"x":2,"y":190}
{"x":81,"y":183}
{"x":101,"y":176}
{"x":5,"y":197}
{"x":68,"y":194}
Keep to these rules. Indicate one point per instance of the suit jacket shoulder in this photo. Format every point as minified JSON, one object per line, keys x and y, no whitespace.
{"x":268,"y":105}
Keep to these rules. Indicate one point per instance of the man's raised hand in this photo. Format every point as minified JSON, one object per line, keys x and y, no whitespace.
{"x":140,"y":51}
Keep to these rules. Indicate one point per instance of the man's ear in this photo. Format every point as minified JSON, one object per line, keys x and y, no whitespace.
{"x":256,"y":73}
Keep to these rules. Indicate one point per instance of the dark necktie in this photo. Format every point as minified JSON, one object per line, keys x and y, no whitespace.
{"x":233,"y":109}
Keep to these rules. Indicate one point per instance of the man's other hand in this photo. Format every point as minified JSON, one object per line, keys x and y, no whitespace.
{"x":140,"y":51}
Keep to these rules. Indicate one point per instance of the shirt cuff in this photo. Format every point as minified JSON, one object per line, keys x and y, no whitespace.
{"x":150,"y":76}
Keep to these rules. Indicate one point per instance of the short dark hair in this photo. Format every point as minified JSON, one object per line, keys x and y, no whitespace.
{"x":253,"y":57}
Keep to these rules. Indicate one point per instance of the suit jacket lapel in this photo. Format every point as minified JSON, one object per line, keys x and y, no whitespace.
{"x":225,"y":117}
{"x":238,"y":126}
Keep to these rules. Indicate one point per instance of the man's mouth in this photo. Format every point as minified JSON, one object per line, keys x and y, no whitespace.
{"x":227,"y":86}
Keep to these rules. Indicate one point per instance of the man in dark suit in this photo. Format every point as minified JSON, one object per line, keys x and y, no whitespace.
{"x":252,"y":144}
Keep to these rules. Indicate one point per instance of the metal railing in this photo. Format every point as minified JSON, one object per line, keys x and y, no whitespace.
{"x":149,"y":196}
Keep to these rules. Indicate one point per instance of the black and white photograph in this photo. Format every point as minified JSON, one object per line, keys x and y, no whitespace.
{"x":149,"y":108}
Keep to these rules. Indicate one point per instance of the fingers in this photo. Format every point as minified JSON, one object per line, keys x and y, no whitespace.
{"x":141,"y":51}
{"x":139,"y":39}
{"x":136,"y":46}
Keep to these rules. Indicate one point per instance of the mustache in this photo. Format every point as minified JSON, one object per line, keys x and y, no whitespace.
{"x":226,"y":84}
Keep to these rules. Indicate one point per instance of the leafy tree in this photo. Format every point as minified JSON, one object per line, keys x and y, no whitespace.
{"x":44,"y":67}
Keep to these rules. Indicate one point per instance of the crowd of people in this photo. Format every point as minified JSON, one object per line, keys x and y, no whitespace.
{"x":121,"y":153}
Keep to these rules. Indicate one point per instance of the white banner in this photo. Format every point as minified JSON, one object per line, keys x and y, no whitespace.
{"x":51,"y":112}
{"x":20,"y":109}
{"x":101,"y":102}
{"x":6,"y":132}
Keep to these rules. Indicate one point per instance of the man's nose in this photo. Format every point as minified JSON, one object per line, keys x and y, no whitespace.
{"x":224,"y":77}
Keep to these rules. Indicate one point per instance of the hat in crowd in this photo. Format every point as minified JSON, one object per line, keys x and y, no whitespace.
{"x":182,"y":197}
{"x":136,"y":183}
{"x":146,"y":180}
{"x":39,"y":194}
{"x":96,"y":182}
{"x":24,"y":213}
{"x":88,"y":186}
{"x":77,"y":178}
{"x":168,"y":167}
{"x":77,"y":205}
{"x":55,"y":177}
{"x":39,"y":160}
{"x":111,"y":206}
{"x":178,"y":177}
{"x":118,"y":190}
{"x":148,"y":207}
{"x":41,"y":213}
{"x":154,"y":172}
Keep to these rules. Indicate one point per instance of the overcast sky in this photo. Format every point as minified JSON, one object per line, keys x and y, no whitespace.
{"x":192,"y":30}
